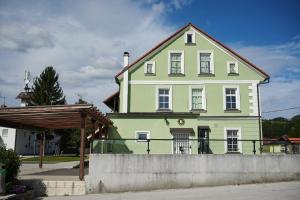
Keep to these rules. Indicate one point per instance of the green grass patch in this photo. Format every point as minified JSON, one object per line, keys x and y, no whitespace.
{"x":51,"y":159}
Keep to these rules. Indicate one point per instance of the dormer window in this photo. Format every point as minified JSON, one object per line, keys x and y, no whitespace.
{"x":149,"y":68}
{"x":232,"y":68}
{"x":189,"y":37}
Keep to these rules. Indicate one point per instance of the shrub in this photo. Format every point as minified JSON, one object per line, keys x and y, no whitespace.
{"x":12,"y":163}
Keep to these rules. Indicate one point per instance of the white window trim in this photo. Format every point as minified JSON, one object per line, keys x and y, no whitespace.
{"x":239,"y":133}
{"x":232,"y":62}
{"x":153,"y":65}
{"x":136,"y":136}
{"x":203,"y":96}
{"x":212,"y":65}
{"x":193,"y":36}
{"x":170,"y":95}
{"x":169,"y":60}
{"x":238,"y":100}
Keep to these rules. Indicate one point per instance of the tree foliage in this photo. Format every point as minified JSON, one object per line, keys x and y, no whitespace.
{"x":46,"y":89}
{"x":277,"y":127}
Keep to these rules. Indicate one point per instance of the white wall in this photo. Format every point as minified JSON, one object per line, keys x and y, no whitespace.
{"x":9,"y":140}
{"x":127,"y":172}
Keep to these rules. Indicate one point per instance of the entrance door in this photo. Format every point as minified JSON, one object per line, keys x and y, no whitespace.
{"x":181,"y":143}
{"x":203,"y":140}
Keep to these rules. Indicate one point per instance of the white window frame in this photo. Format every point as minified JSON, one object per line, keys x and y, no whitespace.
{"x":153,"y":67}
{"x":157,"y":96}
{"x":212,"y":65}
{"x":193,"y":33}
{"x":239,"y":134}
{"x":169,"y":61}
{"x":236,"y":65}
{"x":203,"y":96}
{"x":238,"y":98}
{"x":4,"y":136}
{"x":138,"y":132}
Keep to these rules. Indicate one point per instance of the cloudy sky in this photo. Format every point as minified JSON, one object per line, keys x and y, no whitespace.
{"x":85,"y":40}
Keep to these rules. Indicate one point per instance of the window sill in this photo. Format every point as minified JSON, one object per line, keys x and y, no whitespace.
{"x":198,"y":111}
{"x":176,"y":75}
{"x":232,"y":111}
{"x":150,"y":74}
{"x":233,"y":74}
{"x":206,"y":74}
{"x":190,"y":44}
{"x":164,"y":110}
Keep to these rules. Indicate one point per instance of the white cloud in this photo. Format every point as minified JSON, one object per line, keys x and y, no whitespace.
{"x":84,"y":41}
{"x":282,"y":62}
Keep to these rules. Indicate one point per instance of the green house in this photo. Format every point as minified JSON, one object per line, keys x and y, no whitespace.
{"x":190,"y":90}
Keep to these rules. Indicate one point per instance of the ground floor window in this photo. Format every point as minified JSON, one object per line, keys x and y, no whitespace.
{"x":142,"y":136}
{"x":232,"y":136}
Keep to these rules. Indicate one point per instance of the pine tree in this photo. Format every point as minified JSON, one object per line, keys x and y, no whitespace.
{"x":46,"y":89}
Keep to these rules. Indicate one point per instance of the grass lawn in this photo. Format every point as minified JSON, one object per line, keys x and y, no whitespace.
{"x":51,"y":159}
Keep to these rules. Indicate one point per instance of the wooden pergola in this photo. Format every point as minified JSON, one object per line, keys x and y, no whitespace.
{"x":46,"y":118}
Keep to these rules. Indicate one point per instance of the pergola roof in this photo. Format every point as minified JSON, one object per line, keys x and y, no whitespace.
{"x":51,"y":117}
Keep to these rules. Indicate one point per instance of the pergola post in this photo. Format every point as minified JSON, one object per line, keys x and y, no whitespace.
{"x":42,"y":144}
{"x":82,"y":147}
{"x":93,"y":134}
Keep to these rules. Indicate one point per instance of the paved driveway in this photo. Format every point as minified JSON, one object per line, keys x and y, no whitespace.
{"x":272,"y":191}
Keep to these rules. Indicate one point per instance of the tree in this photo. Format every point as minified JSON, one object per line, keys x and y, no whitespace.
{"x":46,"y":89}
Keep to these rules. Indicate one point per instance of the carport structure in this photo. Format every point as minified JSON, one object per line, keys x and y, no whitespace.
{"x":45,"y":118}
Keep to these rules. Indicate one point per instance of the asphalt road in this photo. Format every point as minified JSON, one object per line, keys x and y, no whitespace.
{"x":272,"y":191}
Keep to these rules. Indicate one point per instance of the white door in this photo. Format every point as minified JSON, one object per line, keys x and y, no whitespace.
{"x":181,"y":143}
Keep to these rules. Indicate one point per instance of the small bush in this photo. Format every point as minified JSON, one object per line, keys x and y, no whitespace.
{"x":12,"y":164}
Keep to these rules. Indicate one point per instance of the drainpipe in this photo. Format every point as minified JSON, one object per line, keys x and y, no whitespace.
{"x":259,"y":112}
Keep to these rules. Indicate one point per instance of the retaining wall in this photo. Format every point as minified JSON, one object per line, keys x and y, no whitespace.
{"x":127,"y":172}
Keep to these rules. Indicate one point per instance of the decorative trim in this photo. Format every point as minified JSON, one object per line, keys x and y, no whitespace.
{"x":193,"y":82}
{"x":169,"y":60}
{"x":253,"y":100}
{"x":212,"y":65}
{"x":240,"y":144}
{"x":153,"y":67}
{"x":238,"y":98}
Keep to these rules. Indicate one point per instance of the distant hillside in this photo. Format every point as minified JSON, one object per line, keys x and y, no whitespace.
{"x":279,"y":126}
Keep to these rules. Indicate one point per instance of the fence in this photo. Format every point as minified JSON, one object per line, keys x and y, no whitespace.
{"x":194,"y":146}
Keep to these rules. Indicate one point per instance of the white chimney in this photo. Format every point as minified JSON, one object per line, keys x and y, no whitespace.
{"x":126,"y":59}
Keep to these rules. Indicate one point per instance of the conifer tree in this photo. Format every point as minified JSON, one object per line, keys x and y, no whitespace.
{"x":46,"y":89}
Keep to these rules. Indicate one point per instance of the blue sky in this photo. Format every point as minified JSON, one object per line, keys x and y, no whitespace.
{"x":85,"y":40}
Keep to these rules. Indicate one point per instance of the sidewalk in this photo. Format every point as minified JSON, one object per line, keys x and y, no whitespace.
{"x":272,"y":191}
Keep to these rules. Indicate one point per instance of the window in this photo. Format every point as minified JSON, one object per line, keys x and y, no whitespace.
{"x":176,"y":62}
{"x":164,"y":99}
{"x":232,"y":68}
{"x":205,"y":62}
{"x":197,"y":98}
{"x":4,"y":132}
{"x":232,"y":141}
{"x":231,"y":98}
{"x":149,"y":67}
{"x":142,"y":136}
{"x":189,"y":37}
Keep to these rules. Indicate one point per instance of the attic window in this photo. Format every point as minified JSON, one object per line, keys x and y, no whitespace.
{"x":149,"y":67}
{"x":232,"y":68}
{"x":189,"y":37}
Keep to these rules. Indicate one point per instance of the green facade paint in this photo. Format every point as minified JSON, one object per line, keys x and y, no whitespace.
{"x":142,"y":98}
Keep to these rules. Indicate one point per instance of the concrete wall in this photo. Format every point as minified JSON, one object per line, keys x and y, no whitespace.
{"x":8,"y":140}
{"x":124,"y":172}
